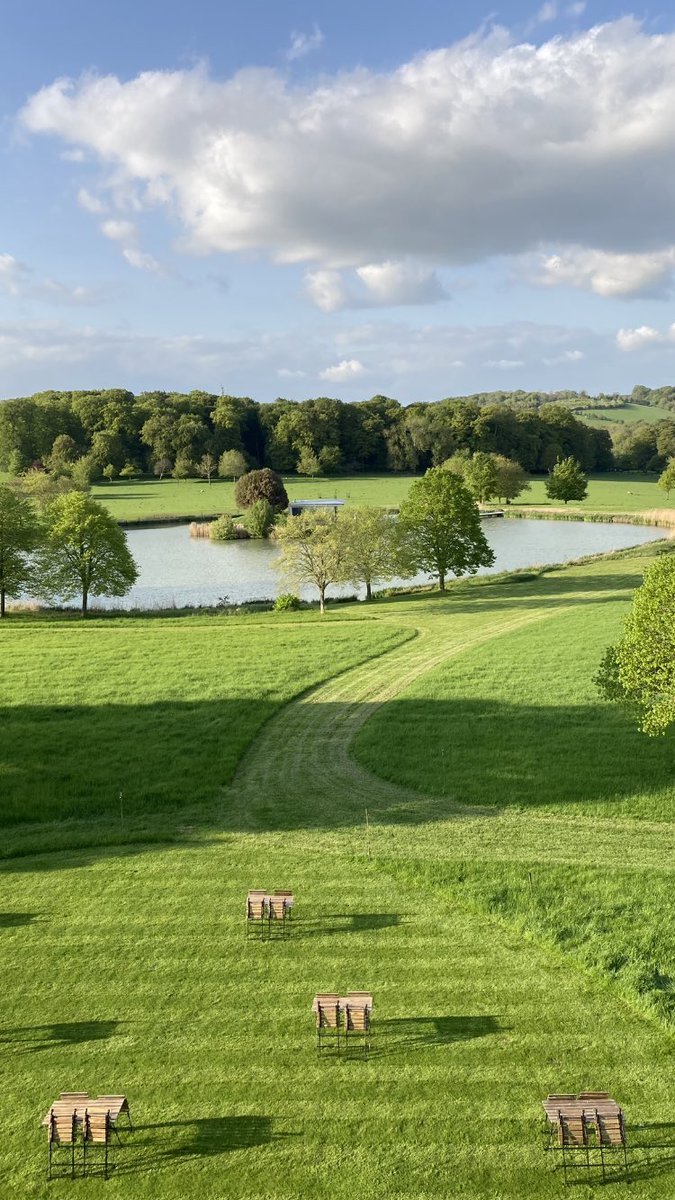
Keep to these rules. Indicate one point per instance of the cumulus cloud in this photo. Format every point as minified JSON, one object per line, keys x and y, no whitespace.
{"x":375,"y":285}
{"x":304,"y":43}
{"x":608,"y":274}
{"x":13,"y":274}
{"x":482,"y":148}
{"x":20,"y":280}
{"x":547,"y":12}
{"x":89,"y":201}
{"x":126,"y":233}
{"x":343,"y":372}
{"x":644,"y":337}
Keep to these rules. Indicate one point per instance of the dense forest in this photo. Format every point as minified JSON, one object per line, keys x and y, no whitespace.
{"x":166,"y":433}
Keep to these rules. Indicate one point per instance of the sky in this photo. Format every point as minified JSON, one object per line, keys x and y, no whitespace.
{"x":290,"y":198}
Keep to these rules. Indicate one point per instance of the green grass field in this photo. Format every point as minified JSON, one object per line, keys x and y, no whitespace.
{"x":628,"y":414}
{"x":149,"y":499}
{"x":508,"y":898}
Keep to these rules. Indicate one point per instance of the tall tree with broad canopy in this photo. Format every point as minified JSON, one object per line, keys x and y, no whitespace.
{"x":511,"y":479}
{"x":640,"y":669}
{"x":480,"y":476}
{"x":370,"y":545}
{"x":566,"y":481}
{"x":85,"y":552}
{"x":19,"y":536}
{"x":311,"y":552}
{"x":441,"y":528}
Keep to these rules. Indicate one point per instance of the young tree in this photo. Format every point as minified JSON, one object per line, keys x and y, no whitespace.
{"x":667,"y":478}
{"x":232,"y":464}
{"x":63,"y":453}
{"x":109,"y":472}
{"x":85,"y":552}
{"x":480,"y":476}
{"x":511,"y":479}
{"x":566,"y":481}
{"x":183,"y":467}
{"x":640,"y":669}
{"x":260,"y":519}
{"x":207,"y":466}
{"x":441,"y":525}
{"x":311,"y":552}
{"x":368,"y":536}
{"x":308,"y":463}
{"x":161,"y":466}
{"x":19,"y":535}
{"x":261,"y":485}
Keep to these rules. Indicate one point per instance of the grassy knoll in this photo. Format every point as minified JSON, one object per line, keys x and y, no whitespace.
{"x":513,"y":947}
{"x":160,"y":710}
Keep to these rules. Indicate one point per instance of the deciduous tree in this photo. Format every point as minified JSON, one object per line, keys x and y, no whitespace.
{"x":311,"y":552}
{"x":85,"y":552}
{"x":441,"y":524}
{"x":19,"y":536}
{"x":232,"y":464}
{"x":370,"y":546}
{"x":667,"y":478}
{"x":640,"y":669}
{"x":261,"y":485}
{"x":566,"y":481}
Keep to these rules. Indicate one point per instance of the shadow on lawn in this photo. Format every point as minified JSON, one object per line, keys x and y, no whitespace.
{"x":12,"y":920}
{"x":344,"y":923}
{"x":162,"y":1144}
{"x":410,"y":1033}
{"x":34,"y":1038}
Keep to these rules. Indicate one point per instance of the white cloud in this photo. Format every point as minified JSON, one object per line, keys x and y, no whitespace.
{"x":304,"y":43}
{"x":375,"y":285}
{"x":569,"y":356}
{"x":577,"y":9}
{"x":126,"y":233}
{"x":483,"y":148}
{"x":505,"y":364}
{"x":343,"y":372}
{"x":326,"y":289}
{"x":88,"y":201}
{"x":547,"y":12}
{"x":644,"y":337}
{"x":13,"y":274}
{"x":609,"y":274}
{"x":119,"y":231}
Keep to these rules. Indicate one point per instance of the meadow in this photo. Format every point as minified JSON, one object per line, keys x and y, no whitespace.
{"x":492,"y":859}
{"x":152,"y":499}
{"x":628,"y":414}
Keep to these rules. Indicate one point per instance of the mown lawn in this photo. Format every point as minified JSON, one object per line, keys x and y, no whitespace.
{"x":515,"y":945}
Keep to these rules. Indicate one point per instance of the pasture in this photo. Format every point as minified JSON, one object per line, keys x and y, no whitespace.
{"x":508,"y":898}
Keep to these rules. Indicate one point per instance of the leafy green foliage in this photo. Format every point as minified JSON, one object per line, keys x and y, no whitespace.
{"x":641,"y":667}
{"x":311,"y":552}
{"x":223,"y":529}
{"x":480,"y":476}
{"x":232,"y":464}
{"x":260,"y":519}
{"x":370,"y":544}
{"x":441,"y":527}
{"x":566,"y":481}
{"x":20,"y":534}
{"x":287,"y":602}
{"x":85,"y":552}
{"x":261,"y":485}
{"x":667,"y":477}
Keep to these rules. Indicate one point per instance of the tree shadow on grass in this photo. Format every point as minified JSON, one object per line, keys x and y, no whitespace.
{"x":656,"y":1135}
{"x":31,"y":1039}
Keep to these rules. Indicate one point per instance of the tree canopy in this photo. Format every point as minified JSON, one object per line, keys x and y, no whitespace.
{"x":85,"y":552}
{"x":261,"y":485}
{"x":370,"y":546}
{"x":441,"y":526}
{"x":19,"y":536}
{"x":311,"y":552}
{"x":566,"y":481}
{"x":640,"y":669}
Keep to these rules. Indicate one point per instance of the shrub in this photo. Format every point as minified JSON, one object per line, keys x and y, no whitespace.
{"x":223,"y":529}
{"x":261,"y":485}
{"x":260,"y":519}
{"x":287,"y":603}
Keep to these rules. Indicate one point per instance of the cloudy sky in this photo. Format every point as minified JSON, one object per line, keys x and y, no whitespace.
{"x":292,"y":198}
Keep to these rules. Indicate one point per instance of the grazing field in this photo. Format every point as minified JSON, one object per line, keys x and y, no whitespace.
{"x":515,"y":943}
{"x":628,"y":414}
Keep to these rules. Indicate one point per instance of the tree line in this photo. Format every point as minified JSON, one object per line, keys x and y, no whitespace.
{"x":88,"y":435}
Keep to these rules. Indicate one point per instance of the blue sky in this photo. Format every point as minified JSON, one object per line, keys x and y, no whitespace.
{"x":308,"y":199}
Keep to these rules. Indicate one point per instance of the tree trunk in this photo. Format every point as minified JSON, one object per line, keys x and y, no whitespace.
{"x":85,"y":599}
{"x":2,"y":602}
{"x":441,"y":581}
{"x":322,"y":593}
{"x":369,"y":591}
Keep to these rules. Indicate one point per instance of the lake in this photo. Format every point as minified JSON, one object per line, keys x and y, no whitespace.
{"x":177,"y":570}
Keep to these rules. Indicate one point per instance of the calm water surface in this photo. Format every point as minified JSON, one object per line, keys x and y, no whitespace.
{"x":175,"y":569}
